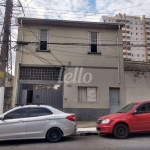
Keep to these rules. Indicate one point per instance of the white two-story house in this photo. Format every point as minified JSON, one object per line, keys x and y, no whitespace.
{"x":71,"y":65}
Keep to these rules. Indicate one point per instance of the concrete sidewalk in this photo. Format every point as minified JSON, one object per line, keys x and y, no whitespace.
{"x":86,"y":128}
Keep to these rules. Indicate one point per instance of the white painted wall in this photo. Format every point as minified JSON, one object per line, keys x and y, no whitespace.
{"x":137,"y":86}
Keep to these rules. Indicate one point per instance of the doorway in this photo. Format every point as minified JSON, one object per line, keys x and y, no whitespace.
{"x":114,"y":99}
{"x":29,"y":96}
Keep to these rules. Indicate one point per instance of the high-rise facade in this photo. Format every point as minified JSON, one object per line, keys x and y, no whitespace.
{"x":135,"y":36}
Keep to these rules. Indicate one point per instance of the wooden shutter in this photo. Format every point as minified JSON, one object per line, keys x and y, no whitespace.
{"x":91,"y":94}
{"x":38,"y":38}
{"x":82,"y":94}
{"x":98,"y":42}
{"x":89,"y":41}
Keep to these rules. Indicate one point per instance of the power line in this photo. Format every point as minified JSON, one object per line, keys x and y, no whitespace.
{"x":47,"y":62}
{"x":51,"y":53}
{"x":101,"y":39}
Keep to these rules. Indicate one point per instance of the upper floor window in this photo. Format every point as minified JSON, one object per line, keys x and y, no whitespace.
{"x":93,"y":42}
{"x":43,"y":39}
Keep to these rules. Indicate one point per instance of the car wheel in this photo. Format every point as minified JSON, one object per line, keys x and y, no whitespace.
{"x":54,"y":135}
{"x":121,"y":131}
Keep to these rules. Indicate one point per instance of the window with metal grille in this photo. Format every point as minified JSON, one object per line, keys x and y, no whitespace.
{"x":43,"y":40}
{"x":87,"y":94}
{"x":93,"y":42}
{"x":40,"y":73}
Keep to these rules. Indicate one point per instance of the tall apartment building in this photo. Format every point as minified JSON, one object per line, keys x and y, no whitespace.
{"x":136,"y":36}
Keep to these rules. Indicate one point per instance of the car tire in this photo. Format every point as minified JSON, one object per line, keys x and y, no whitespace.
{"x":54,"y":135}
{"x":121,"y":131}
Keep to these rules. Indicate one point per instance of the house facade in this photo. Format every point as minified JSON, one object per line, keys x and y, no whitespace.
{"x":73,"y":66}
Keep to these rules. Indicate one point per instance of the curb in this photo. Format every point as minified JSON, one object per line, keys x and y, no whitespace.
{"x":86,"y":131}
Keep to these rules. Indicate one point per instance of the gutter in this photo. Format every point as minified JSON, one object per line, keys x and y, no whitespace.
{"x":118,"y":55}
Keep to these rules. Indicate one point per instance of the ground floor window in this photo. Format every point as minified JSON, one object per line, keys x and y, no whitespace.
{"x":87,"y":94}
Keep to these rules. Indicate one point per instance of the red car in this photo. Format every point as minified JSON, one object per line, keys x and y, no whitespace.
{"x":135,"y":117}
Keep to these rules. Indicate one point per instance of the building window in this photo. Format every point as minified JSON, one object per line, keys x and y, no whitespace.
{"x":138,"y":55}
{"x":142,"y":55}
{"x":40,"y":73}
{"x":87,"y":94}
{"x":136,"y":33}
{"x":43,"y":40}
{"x":136,"y":28}
{"x":93,"y":42}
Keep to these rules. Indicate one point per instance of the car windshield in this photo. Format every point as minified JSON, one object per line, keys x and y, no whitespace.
{"x":127,"y":108}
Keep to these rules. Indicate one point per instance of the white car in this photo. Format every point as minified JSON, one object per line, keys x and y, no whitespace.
{"x":36,"y":122}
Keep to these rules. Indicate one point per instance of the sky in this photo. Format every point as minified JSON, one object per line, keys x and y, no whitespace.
{"x":81,"y":10}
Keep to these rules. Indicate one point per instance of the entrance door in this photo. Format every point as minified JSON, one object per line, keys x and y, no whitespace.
{"x":114,"y":99}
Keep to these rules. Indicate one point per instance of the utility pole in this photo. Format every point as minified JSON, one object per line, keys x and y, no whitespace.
{"x":4,"y":50}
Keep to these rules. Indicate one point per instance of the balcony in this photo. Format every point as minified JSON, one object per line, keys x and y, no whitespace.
{"x":148,"y":35}
{"x":125,"y":29}
{"x":148,"y":39}
{"x":148,"y":30}
{"x":148,"y":44}
{"x":126,"y":39}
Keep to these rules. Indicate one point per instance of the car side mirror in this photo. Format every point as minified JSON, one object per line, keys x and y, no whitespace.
{"x":135,"y":112}
{"x":2,"y":118}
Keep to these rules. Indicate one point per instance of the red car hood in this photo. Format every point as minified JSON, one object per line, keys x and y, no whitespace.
{"x":112,"y":116}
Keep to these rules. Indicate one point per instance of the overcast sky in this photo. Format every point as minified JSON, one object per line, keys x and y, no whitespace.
{"x":87,"y":10}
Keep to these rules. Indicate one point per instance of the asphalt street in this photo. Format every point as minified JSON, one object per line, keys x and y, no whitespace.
{"x":90,"y":142}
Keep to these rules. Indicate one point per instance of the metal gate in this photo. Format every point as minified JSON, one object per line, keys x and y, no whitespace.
{"x":42,"y":94}
{"x":114,"y":99}
{"x":50,"y":97}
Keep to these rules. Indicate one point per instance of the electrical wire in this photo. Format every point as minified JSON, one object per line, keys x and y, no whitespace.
{"x":68,"y":37}
{"x":46,"y":62}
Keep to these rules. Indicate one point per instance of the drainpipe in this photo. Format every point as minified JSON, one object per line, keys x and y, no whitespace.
{"x":118,"y":56}
{"x":21,"y":45}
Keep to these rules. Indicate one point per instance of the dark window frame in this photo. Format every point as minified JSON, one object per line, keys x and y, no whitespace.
{"x":94,"y":46}
{"x":43,"y":43}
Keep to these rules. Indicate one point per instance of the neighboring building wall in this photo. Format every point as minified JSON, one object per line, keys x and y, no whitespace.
{"x":137,"y":82}
{"x":133,"y":34}
{"x":137,"y":86}
{"x":9,"y":80}
{"x":8,"y":98}
{"x":104,"y":67}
